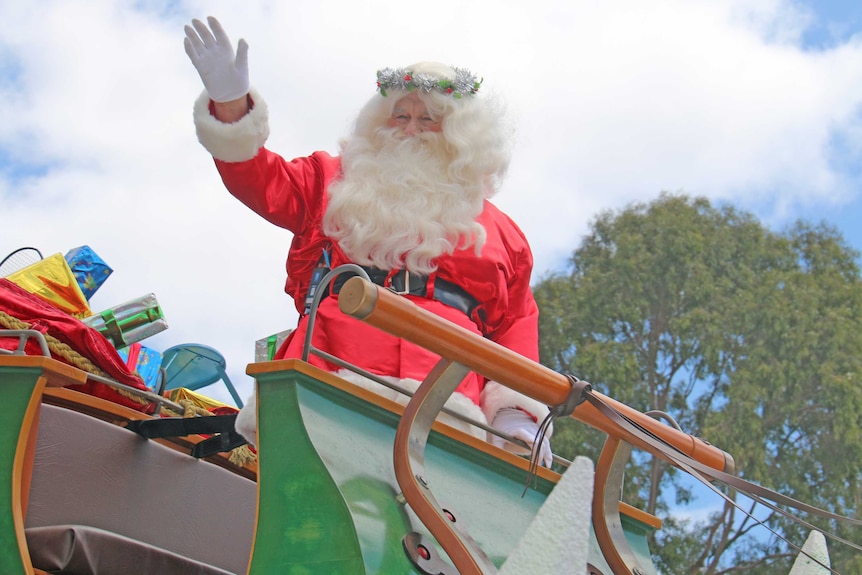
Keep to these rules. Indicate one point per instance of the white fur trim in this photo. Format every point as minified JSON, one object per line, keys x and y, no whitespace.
{"x":246,"y":421}
{"x":236,"y":142}
{"x":497,"y":396}
{"x":369,"y":384}
{"x":457,"y":402}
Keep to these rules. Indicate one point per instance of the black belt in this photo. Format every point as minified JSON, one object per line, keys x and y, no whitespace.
{"x":403,"y":282}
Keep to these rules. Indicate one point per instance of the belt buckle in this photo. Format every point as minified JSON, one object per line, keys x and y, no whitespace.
{"x":406,"y":289}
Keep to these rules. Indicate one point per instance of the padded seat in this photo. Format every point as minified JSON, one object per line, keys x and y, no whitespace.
{"x":84,"y":550}
{"x":96,"y":481}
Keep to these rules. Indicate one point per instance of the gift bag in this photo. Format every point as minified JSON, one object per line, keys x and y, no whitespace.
{"x":52,"y":280}
{"x":89,"y":269}
{"x":199,"y":400}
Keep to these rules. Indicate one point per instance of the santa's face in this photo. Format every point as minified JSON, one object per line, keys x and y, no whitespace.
{"x":411,"y":117}
{"x":397,"y":204}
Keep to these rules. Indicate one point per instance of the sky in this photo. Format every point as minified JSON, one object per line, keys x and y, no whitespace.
{"x":751,"y":102}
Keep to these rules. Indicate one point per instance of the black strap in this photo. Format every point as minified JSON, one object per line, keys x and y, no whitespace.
{"x":221,"y":443}
{"x":221,"y":427}
{"x":180,"y":426}
{"x":577,"y":395}
{"x":403,"y":282}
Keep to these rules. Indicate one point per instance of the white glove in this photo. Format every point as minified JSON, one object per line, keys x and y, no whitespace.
{"x":225,"y":75}
{"x":520,"y":425}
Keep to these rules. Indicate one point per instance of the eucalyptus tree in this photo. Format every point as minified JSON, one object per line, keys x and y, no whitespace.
{"x":748,"y":338}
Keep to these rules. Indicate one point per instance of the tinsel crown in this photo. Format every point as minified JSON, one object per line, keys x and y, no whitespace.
{"x":465,"y":82}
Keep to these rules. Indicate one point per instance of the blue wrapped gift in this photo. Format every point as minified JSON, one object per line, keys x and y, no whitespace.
{"x":144,"y":361}
{"x":88,"y":268}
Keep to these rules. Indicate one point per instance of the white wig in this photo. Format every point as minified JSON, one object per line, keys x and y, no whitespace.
{"x":474,"y":126}
{"x":406,"y":201}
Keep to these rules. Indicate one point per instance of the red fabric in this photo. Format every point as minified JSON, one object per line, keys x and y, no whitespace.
{"x":292,"y":195}
{"x":47,"y":319}
{"x":533,"y":417}
{"x":134,"y":354}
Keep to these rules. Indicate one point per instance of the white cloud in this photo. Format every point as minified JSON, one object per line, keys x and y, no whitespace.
{"x":615,"y":101}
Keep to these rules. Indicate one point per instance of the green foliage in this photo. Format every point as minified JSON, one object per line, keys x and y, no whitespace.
{"x":748,"y":338}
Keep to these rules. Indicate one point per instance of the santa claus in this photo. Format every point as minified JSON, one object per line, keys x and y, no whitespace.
{"x":407,"y":198}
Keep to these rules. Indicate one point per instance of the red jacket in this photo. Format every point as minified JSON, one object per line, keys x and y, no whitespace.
{"x":292,"y":195}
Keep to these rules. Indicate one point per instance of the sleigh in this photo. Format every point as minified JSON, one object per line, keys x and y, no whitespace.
{"x":344,"y":480}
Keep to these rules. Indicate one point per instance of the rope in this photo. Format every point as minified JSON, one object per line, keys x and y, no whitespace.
{"x":242,"y":455}
{"x":63,"y":350}
{"x":192,"y":409}
{"x":55,"y":345}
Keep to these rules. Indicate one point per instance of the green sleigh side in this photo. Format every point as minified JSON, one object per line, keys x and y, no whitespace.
{"x":328,"y":501}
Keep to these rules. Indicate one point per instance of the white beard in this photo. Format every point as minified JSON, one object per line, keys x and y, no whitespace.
{"x":398,"y":206}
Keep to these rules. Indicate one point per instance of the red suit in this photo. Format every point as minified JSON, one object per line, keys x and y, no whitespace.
{"x":293,"y":195}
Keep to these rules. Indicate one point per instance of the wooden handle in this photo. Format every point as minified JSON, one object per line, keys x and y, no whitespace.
{"x":402,"y":318}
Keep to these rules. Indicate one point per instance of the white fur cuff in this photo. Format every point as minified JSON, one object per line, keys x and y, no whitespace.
{"x":246,"y":421}
{"x":457,"y":402}
{"x":236,"y":142}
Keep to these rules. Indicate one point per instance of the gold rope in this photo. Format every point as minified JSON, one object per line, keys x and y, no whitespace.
{"x":242,"y":455}
{"x":192,"y":409}
{"x":238,"y":456}
{"x":63,"y":350}
{"x":55,"y":345}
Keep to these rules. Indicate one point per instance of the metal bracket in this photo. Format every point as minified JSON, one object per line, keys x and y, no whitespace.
{"x":423,"y":554}
{"x":409,"y":456}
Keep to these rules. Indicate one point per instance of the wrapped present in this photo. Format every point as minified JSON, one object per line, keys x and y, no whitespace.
{"x":89,"y":269}
{"x":182,"y":394}
{"x":144,"y":361}
{"x":264,"y":349}
{"x":52,"y":280}
{"x":130,"y":322}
